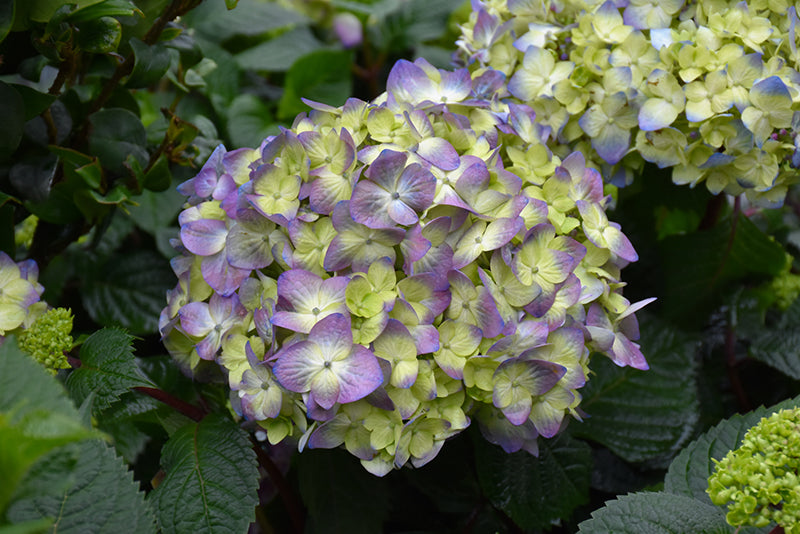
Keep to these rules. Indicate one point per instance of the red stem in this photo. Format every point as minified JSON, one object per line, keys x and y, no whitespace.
{"x":189,"y":410}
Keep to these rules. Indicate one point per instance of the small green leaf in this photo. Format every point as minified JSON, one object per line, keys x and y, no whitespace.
{"x":194,"y":77}
{"x":322,"y":76}
{"x":230,"y":4}
{"x":6,"y":18}
{"x":92,"y":173}
{"x":249,"y":121}
{"x":12,"y":109}
{"x":151,"y":64}
{"x":108,"y":8}
{"x":688,"y":474}
{"x":656,"y":513}
{"x":644,"y":415}
{"x":35,"y":101}
{"x":532,"y":491}
{"x":103,"y":496}
{"x":129,"y":291}
{"x":116,"y":134}
{"x":211,"y":479}
{"x":159,"y":177}
{"x":156,"y":210}
{"x":99,"y":36}
{"x":108,"y":368}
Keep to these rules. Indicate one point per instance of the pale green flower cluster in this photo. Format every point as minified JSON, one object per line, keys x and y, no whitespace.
{"x":708,"y":88}
{"x":759,"y":481}
{"x":49,"y":339}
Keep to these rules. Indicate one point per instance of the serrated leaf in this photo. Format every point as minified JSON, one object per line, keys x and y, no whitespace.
{"x":688,"y":474}
{"x":656,"y":513}
{"x":340,"y":510}
{"x":322,"y":76}
{"x":280,"y":53}
{"x":532,"y":491}
{"x":644,"y":415}
{"x":116,"y":134}
{"x":129,"y":291}
{"x":211,"y":479}
{"x":102,"y":498}
{"x":700,"y":266}
{"x":108,"y":368}
{"x":779,"y":345}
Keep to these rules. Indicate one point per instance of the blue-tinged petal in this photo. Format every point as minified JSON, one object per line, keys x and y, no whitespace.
{"x":438,"y":152}
{"x":297,"y":364}
{"x":359,"y":374}
{"x":369,"y":205}
{"x":407,"y":82}
{"x":612,"y":143}
{"x":204,"y":237}
{"x":223,"y":277}
{"x":657,"y":113}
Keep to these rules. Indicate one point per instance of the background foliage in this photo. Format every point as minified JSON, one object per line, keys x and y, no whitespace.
{"x":108,"y":105}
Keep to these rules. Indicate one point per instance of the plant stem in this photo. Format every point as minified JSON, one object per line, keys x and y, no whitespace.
{"x":713,"y":211}
{"x":189,"y":410}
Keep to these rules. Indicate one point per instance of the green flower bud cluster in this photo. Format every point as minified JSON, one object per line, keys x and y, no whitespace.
{"x":23,"y":232}
{"x":760,"y":481}
{"x":48,"y":339}
{"x":786,"y":286}
{"x":708,"y":89}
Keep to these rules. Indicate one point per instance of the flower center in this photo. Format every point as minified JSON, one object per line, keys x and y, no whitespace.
{"x":315,"y":311}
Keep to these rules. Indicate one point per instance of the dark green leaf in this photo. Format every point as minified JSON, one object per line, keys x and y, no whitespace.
{"x":151,"y":64}
{"x":279,"y":54}
{"x":700,"y":266}
{"x":159,"y":177}
{"x":12,"y":109}
{"x":688,"y":474}
{"x":128,"y":439}
{"x":116,"y":134}
{"x":129,"y":291}
{"x":779,"y":345}
{"x":108,"y":368}
{"x":322,"y":76}
{"x":644,"y":415}
{"x":211,"y":479}
{"x":532,"y":491}
{"x":656,"y":513}
{"x":249,"y":121}
{"x":42,"y":10}
{"x":92,"y":174}
{"x":100,"y":36}
{"x":156,"y":210}
{"x":35,"y":101}
{"x":103,"y":497}
{"x":108,"y":8}
{"x":341,"y":510}
{"x":215,"y":21}
{"x":6,"y":18}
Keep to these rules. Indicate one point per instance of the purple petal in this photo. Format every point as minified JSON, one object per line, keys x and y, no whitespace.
{"x":369,"y":205}
{"x":386,"y":168}
{"x":409,"y":83}
{"x":416,"y":187}
{"x":196,"y":319}
{"x":359,"y":375}
{"x":204,"y":237}
{"x":438,"y":152}
{"x":221,"y":275}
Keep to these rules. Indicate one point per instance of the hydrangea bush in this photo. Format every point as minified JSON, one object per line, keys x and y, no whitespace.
{"x":707,"y":89}
{"x":382,"y":273}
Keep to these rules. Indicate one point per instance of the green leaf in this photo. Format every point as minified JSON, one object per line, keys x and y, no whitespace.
{"x":211,"y":479}
{"x":230,"y":4}
{"x":100,"y":36}
{"x":156,"y":210}
{"x":700,"y":266}
{"x":35,"y":101}
{"x":116,"y":134}
{"x":280,"y":53}
{"x":532,"y":491}
{"x":152,"y":62}
{"x":102,"y":498}
{"x":215,"y":21}
{"x":340,"y":510}
{"x":37,"y":526}
{"x":108,"y":8}
{"x":129,"y":291}
{"x":12,"y":109}
{"x":688,"y":474}
{"x":6,"y":18}
{"x":779,"y":345}
{"x":249,"y":121}
{"x":644,"y":415}
{"x":108,"y":368}
{"x":36,"y":416}
{"x":656,"y":513}
{"x":322,"y":76}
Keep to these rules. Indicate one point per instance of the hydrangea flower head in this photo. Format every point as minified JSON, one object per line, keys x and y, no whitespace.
{"x":386,"y":272}
{"x":704,"y":88}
